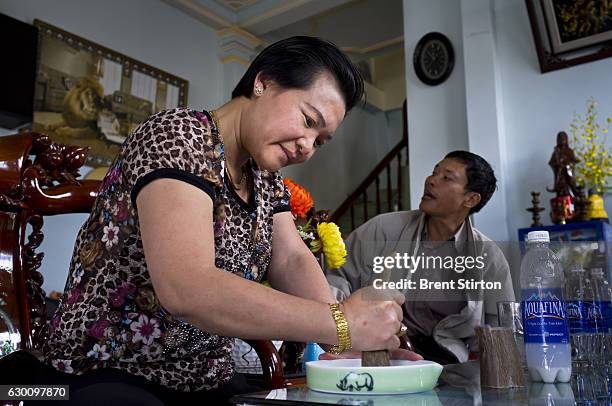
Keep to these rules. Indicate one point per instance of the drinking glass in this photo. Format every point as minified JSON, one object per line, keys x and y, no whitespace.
{"x":584,"y":385}
{"x":603,"y":386}
{"x":509,"y":315}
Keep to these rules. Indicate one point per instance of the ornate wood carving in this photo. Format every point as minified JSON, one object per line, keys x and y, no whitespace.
{"x":54,"y":165}
{"x":37,"y":177}
{"x":34,"y":280}
{"x":56,"y":162}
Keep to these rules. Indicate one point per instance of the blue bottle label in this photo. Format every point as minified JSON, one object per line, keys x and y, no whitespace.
{"x":595,"y":318}
{"x":606,"y":311}
{"x":544,"y":318}
{"x":576,"y":316}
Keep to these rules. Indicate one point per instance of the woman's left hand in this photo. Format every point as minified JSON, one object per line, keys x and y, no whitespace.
{"x":399,"y":353}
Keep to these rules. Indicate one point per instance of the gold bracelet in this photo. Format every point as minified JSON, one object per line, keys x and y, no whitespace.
{"x":344,"y":337}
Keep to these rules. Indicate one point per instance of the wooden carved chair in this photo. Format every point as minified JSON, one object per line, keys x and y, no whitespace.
{"x":39,"y":178}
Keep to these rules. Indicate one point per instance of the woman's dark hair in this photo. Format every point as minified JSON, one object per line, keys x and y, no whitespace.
{"x":480,"y":176}
{"x":296,"y":62}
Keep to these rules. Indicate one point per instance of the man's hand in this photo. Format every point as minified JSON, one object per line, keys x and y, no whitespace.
{"x":399,"y":354}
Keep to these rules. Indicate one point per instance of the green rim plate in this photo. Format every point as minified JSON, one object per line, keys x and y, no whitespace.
{"x":348,"y":376}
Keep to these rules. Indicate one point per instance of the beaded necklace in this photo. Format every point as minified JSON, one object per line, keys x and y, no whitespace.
{"x":241,"y":182}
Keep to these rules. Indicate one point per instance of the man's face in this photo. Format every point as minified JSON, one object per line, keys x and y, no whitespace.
{"x":445,"y":191}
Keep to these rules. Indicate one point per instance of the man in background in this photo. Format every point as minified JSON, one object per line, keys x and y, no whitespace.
{"x":440,"y":322}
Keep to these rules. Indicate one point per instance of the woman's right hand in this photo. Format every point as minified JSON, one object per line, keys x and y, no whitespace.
{"x":374,"y":318}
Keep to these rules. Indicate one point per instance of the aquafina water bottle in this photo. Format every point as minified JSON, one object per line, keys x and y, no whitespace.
{"x":546,"y":333}
{"x":603,"y":293}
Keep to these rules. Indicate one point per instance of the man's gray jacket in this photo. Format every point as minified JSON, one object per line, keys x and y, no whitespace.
{"x":401,"y":232}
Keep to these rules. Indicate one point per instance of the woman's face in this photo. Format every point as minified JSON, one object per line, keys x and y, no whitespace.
{"x":286,"y":126}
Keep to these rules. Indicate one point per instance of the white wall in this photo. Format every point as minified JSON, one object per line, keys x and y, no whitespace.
{"x":484,"y":117}
{"x":436,"y":114}
{"x":147,"y":30}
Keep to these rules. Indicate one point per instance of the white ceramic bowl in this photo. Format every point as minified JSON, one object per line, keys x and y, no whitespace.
{"x":348,"y":376}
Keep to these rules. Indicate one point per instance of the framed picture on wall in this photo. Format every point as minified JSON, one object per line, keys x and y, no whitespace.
{"x":89,"y":95}
{"x":570,"y":32}
{"x":578,"y":24}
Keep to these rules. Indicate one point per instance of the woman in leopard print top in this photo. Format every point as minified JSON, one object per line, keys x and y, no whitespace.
{"x":189,"y":218}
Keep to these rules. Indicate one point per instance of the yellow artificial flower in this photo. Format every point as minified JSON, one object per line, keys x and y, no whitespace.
{"x":589,"y":143}
{"x":333,"y":245}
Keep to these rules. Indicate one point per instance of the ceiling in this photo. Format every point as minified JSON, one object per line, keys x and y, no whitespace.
{"x":369,"y":31}
{"x":363,"y":28}
{"x":236,"y":5}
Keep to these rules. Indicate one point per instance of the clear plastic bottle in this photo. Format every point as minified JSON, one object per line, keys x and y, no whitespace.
{"x":601,"y":315}
{"x":546,"y":333}
{"x":603,"y":292}
{"x":579,"y":295}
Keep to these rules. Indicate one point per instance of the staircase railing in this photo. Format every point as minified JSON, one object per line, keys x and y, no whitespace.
{"x":361,"y":192}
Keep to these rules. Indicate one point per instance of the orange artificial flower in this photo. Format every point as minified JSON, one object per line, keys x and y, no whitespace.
{"x":301,"y":201}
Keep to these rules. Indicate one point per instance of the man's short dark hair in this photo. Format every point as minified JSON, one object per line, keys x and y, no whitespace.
{"x":480,"y":176}
{"x":296,"y":62}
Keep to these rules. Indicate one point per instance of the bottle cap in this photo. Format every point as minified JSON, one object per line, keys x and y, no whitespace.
{"x":538,"y":236}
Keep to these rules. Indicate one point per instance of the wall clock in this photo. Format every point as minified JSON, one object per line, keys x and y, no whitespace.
{"x":434,"y":58}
